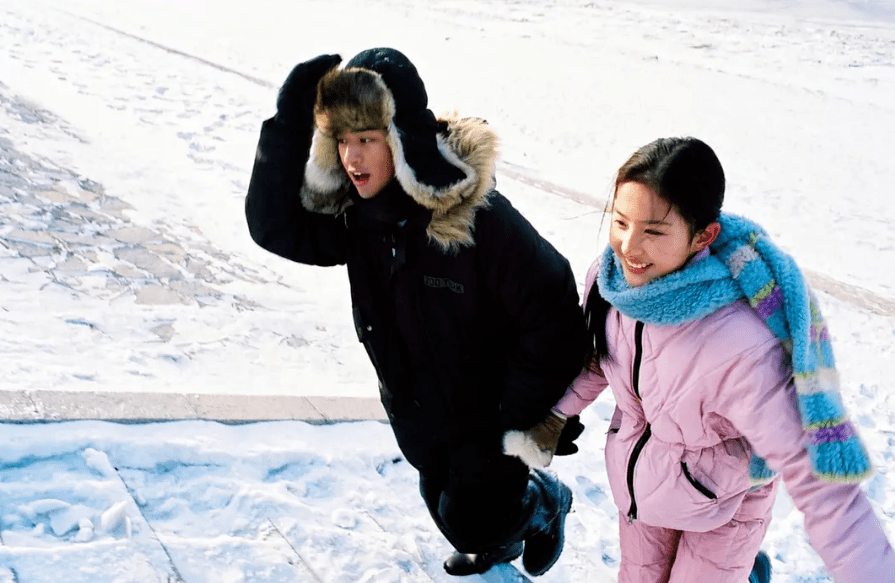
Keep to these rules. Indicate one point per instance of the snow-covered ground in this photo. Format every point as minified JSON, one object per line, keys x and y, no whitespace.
{"x":127,"y":134}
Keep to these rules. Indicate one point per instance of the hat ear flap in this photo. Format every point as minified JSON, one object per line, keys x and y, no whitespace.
{"x":326,"y":186}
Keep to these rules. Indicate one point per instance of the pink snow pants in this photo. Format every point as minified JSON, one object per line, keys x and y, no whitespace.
{"x":652,"y":554}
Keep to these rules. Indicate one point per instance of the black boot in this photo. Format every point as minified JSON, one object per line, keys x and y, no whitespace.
{"x":546,"y":529}
{"x":460,"y":564}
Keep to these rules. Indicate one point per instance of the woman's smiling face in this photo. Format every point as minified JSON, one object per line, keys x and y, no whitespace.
{"x":648,"y":235}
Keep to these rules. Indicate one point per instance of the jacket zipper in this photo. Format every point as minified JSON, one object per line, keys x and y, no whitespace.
{"x":638,"y":447}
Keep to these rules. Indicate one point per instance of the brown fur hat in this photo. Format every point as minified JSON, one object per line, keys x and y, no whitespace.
{"x":352,"y":100}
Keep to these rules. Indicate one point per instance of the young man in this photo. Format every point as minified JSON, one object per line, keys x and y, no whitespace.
{"x":469,"y":317}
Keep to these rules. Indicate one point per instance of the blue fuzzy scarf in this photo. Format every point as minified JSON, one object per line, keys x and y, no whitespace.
{"x":744,"y":263}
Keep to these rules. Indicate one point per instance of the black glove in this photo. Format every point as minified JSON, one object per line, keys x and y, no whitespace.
{"x":295,"y":102}
{"x":570,"y":432}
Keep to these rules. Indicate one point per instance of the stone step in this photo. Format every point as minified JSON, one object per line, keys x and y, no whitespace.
{"x":40,"y":406}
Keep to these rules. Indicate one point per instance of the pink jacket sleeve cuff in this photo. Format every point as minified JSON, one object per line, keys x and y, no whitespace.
{"x":582,"y":392}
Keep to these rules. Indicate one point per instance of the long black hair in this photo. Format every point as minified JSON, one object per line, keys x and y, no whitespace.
{"x":684,"y":172}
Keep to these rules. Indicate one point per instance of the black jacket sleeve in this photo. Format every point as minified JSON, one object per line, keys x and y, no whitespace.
{"x":535,"y":285}
{"x":276,"y":218}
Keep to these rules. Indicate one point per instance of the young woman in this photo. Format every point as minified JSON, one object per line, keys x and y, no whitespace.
{"x":724,"y":379}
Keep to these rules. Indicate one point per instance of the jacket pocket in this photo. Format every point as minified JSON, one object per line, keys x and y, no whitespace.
{"x":365,"y":333}
{"x":696,"y":484}
{"x":615,"y":423}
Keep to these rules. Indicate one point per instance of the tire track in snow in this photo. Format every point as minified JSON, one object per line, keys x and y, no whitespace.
{"x":174,"y":51}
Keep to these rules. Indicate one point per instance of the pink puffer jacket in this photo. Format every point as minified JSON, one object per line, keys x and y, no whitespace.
{"x":708,"y":393}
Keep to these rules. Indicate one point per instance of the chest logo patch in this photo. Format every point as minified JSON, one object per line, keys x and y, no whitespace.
{"x":443,"y":282}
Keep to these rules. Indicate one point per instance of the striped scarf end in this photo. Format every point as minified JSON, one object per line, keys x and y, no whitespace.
{"x":840,"y":461}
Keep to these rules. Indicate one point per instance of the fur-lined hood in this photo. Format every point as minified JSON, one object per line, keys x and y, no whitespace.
{"x":446,"y":165}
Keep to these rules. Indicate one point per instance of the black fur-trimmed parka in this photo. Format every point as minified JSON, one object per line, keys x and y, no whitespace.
{"x":470,"y":318}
